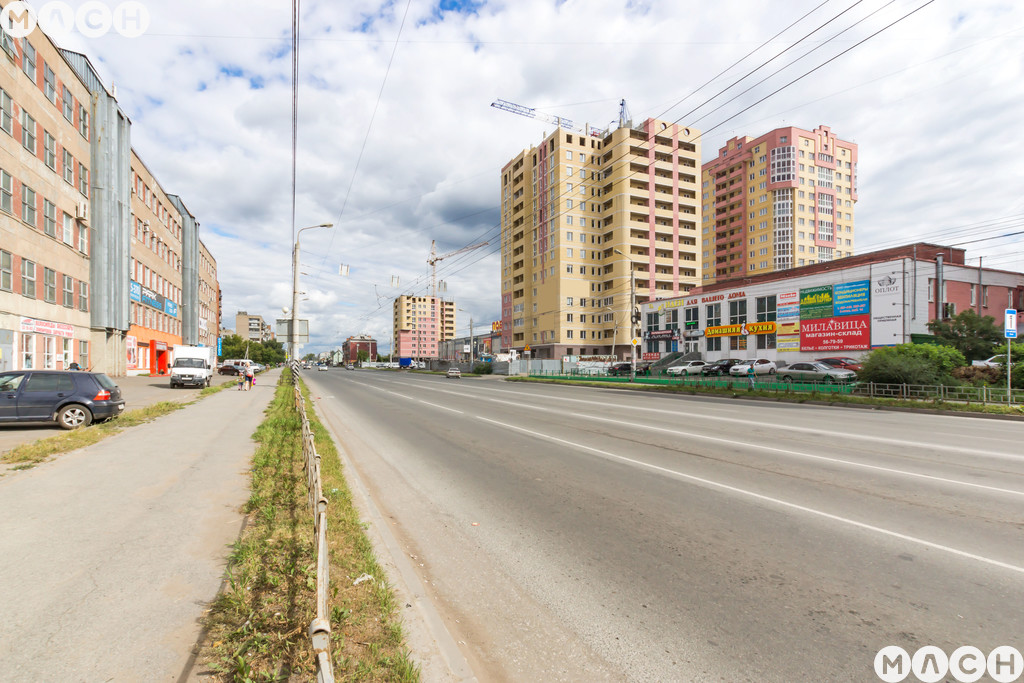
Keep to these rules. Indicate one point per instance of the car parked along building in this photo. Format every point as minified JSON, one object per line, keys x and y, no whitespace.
{"x":69,"y":398}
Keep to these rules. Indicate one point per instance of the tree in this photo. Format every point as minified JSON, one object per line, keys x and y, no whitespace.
{"x":971,"y":334}
{"x":912,"y":364}
{"x":363,"y":355}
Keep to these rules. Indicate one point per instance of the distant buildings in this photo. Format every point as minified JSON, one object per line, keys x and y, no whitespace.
{"x":98,"y":265}
{"x":782,"y":200}
{"x":420,"y":323}
{"x":252,"y":327}
{"x":353,"y":345}
{"x":589,"y":223}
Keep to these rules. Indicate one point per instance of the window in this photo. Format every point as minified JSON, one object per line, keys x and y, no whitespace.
{"x":69,"y":292}
{"x":28,"y":132}
{"x":66,"y":352}
{"x":6,"y":112}
{"x":49,"y":218}
{"x":765,"y":312}
{"x":83,"y":240}
{"x":28,"y":205}
{"x":83,"y":122}
{"x":68,"y":103}
{"x":83,"y":354}
{"x":28,"y":351}
{"x":6,"y":271}
{"x":83,"y":296}
{"x":28,"y":278}
{"x":83,"y":179}
{"x":69,"y":168}
{"x":69,"y":229}
{"x":28,"y":60}
{"x":6,"y":195}
{"x":50,"y":148}
{"x":568,"y":301}
{"x":49,"y":84}
{"x":49,"y":285}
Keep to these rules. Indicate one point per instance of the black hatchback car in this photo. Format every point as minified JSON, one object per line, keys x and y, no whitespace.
{"x":72,"y":399}
{"x":720,"y":367}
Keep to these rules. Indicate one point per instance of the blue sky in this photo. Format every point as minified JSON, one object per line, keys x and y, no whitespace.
{"x":933,"y":103}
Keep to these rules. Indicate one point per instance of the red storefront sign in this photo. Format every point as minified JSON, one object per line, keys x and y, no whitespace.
{"x":846,"y":333}
{"x":651,"y":355}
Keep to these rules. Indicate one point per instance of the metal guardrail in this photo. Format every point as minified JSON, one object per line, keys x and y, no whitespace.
{"x":320,"y":627}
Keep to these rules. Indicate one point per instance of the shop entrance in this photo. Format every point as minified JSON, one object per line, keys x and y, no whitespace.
{"x":159,"y":358}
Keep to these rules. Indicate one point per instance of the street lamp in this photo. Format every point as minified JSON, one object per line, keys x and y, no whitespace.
{"x":472,"y":342}
{"x":632,"y":306}
{"x":294,"y":336}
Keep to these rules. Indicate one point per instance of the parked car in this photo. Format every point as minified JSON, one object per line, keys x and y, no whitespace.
{"x":841,"y":363}
{"x":690,"y":367}
{"x":720,"y":367}
{"x":454,"y":373}
{"x":993,"y":362}
{"x":620,"y":369}
{"x":816,"y":372}
{"x":228,"y":369}
{"x":70,"y":398}
{"x":762,"y":366}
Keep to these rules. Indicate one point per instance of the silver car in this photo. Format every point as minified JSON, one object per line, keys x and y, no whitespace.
{"x":690,"y":367}
{"x":816,"y":372}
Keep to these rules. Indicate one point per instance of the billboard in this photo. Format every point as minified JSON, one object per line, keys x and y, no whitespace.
{"x":887,"y":304}
{"x":851,"y":298}
{"x":816,"y":302}
{"x":844,"y":333}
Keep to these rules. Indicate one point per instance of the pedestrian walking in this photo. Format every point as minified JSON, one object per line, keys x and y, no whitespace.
{"x":750,"y":375}
{"x":241,"y":377}
{"x":250,"y":377}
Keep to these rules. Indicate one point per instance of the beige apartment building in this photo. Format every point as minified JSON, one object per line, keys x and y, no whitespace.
{"x":252,"y":327}
{"x":45,"y":133}
{"x":155,"y":289}
{"x":782,"y":200}
{"x":420,"y":324}
{"x":589,"y":223}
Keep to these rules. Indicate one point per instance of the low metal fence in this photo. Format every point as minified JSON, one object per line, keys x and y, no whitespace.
{"x":320,"y":627}
{"x":771,"y":383}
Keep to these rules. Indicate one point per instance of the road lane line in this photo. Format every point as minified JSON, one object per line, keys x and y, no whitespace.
{"x":772,"y":425}
{"x":768,"y":499}
{"x":801,"y":454}
{"x":410,"y":398}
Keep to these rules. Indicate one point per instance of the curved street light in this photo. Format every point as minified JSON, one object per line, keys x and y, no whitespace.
{"x":294,"y":332}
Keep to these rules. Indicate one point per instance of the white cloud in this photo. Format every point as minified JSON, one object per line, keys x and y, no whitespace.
{"x":932,"y":103}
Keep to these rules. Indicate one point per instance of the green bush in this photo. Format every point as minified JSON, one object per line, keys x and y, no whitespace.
{"x":483,"y":369}
{"x":912,"y":364}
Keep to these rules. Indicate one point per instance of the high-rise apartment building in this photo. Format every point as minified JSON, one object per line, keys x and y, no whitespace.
{"x":589,"y":222}
{"x":781,"y":200}
{"x":252,"y":327}
{"x":420,"y":323}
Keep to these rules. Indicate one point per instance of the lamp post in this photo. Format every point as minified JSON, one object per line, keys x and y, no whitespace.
{"x":294,"y":336}
{"x":472,"y":342}
{"x":632,"y":323}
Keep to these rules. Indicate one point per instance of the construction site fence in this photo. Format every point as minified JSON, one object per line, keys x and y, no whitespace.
{"x":320,"y":627}
{"x":771,"y":383}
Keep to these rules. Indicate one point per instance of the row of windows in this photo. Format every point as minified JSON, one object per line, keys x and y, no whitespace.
{"x":29,"y":132}
{"x":150,"y":318}
{"x":149,"y":198}
{"x":56,"y":223}
{"x":29,"y":65}
{"x":147,"y":277}
{"x":50,"y":359}
{"x":29,"y":278}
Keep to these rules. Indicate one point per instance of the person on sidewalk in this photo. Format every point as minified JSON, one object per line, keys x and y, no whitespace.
{"x":750,"y":375}
{"x":241,"y":378}
{"x":250,"y":377}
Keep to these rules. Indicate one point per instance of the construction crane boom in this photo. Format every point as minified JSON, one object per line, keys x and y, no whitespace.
{"x":560,"y":121}
{"x":435,"y":257}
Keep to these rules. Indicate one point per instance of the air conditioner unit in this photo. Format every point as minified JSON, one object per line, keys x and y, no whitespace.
{"x":82,"y":211}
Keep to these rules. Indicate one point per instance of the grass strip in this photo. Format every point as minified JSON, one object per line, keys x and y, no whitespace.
{"x":257,"y":628}
{"x":815,"y":397}
{"x":66,"y":441}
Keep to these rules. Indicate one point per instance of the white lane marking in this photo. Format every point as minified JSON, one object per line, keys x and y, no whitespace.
{"x":772,"y":425}
{"x":762,"y":497}
{"x":410,"y":398}
{"x":801,"y":454}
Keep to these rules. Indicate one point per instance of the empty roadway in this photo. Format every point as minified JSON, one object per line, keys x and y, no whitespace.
{"x":571,"y":533}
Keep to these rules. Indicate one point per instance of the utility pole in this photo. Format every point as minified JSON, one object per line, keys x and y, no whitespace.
{"x":472,"y":345}
{"x":632,"y":319}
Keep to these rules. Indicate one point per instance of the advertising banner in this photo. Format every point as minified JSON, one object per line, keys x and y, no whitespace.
{"x":788,"y":312}
{"x":132,"y":346}
{"x":31,"y":325}
{"x":816,"y":302}
{"x":651,"y":355}
{"x":851,"y":298}
{"x":661,"y":334}
{"x":791,"y":327}
{"x":887,"y":304}
{"x":846,"y":333}
{"x":787,"y":344}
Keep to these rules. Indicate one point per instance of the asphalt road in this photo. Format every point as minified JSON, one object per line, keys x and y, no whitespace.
{"x":571,"y":534}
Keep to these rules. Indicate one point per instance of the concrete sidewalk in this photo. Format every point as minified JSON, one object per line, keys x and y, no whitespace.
{"x":109,"y":555}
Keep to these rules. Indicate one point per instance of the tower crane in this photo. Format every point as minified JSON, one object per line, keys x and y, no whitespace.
{"x":435,"y":257}
{"x":561,"y":121}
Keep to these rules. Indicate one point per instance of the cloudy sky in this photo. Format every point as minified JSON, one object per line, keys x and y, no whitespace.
{"x":398,"y":146}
